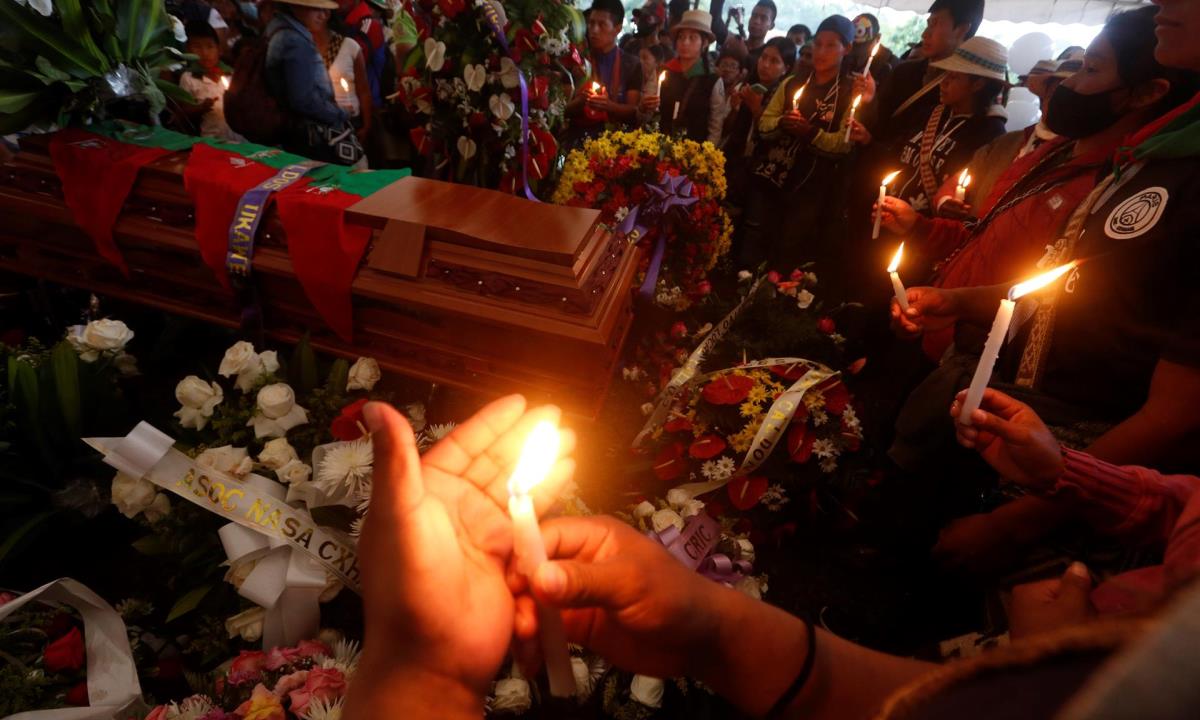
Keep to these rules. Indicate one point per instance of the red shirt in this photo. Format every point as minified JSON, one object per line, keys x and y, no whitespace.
{"x":1143,"y":507}
{"x":1010,"y":246}
{"x":361,"y":18}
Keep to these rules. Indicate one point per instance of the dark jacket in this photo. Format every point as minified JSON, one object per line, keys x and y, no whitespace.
{"x":693,"y":96}
{"x":296,"y":74}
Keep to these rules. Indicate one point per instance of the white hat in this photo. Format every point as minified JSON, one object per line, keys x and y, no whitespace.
{"x":978,"y":56}
{"x":697,"y":20}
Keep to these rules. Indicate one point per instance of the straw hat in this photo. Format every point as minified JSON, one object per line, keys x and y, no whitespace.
{"x":697,"y":20}
{"x":978,"y":56}
{"x":319,"y":4}
{"x":1043,"y":67}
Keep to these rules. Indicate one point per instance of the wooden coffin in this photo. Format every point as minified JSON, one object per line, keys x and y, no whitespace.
{"x":460,"y":286}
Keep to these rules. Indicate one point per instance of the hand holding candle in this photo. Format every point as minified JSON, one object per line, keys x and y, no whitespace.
{"x":879,"y":211}
{"x":796,"y":98}
{"x":850,"y":120}
{"x":897,"y":286}
{"x":998,"y":333}
{"x":874,"y":51}
{"x":537,"y":458}
{"x":662,"y":76}
{"x":964,"y":180}
{"x":225,"y":81}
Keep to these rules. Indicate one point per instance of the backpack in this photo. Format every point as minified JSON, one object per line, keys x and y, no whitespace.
{"x":250,"y":109}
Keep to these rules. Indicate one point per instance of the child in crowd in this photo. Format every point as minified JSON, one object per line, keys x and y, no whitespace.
{"x":207,"y":82}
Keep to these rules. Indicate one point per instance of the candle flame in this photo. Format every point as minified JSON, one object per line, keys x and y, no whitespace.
{"x":225,"y":81}
{"x":896,"y":259}
{"x":857,"y":100}
{"x":797,"y":96}
{"x":595,"y":87}
{"x":537,"y":457}
{"x":888,"y":180}
{"x":662,"y":77}
{"x":1041,"y":281}
{"x":345,"y":85}
{"x":965,"y":178}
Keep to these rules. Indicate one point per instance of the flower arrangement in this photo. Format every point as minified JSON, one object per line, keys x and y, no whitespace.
{"x":43,"y":653}
{"x":307,"y":681}
{"x":615,"y":174}
{"x":465,"y":90}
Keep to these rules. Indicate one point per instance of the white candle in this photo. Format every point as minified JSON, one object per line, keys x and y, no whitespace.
{"x":537,"y":457}
{"x":225,"y":81}
{"x":662,"y":76}
{"x":867,"y":70}
{"x":995,"y":339}
{"x":796,"y":98}
{"x":964,"y":180}
{"x":882,"y":195}
{"x":850,"y":122}
{"x":675,"y":115}
{"x":897,"y":286}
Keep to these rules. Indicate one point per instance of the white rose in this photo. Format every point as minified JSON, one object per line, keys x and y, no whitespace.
{"x":276,"y":400}
{"x":159,"y":509}
{"x":277,"y":453}
{"x":75,"y":338}
{"x":239,"y":358}
{"x":643,"y":510}
{"x":363,"y":375}
{"x":226,"y":459}
{"x":647,"y":690}
{"x":416,"y":416}
{"x":804,"y":298}
{"x":691,"y":508}
{"x":270,"y":361}
{"x":192,"y":392}
{"x":745,"y":274}
{"x":746,"y":550}
{"x":677,"y":497}
{"x":107,"y":334}
{"x":512,"y":696}
{"x":665,"y":518}
{"x":248,"y":624}
{"x":476,"y":76}
{"x":293,"y":472}
{"x":132,"y":495}
{"x":752,"y":586}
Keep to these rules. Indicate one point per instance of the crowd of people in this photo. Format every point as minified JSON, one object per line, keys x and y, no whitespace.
{"x":1091,"y":407}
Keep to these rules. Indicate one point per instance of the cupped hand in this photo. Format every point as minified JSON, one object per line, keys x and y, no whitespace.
{"x":794,"y":124}
{"x":649,"y":103}
{"x":928,"y":309}
{"x":1011,"y":437}
{"x":954,"y":209}
{"x":859,"y":135}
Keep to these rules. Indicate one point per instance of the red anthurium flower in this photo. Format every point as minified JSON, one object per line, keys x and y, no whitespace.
{"x":837,"y":398}
{"x":744,"y":492}
{"x":800,"y":442}
{"x":349,"y":423}
{"x":421,"y":141}
{"x":539,"y":28}
{"x":539,"y":93}
{"x":525,"y":40}
{"x":706,"y":447}
{"x":451,"y":8}
{"x":65,"y":653}
{"x":791,"y":372}
{"x":542,"y":141}
{"x":670,"y":462}
{"x":728,"y":390}
{"x":679,"y":423}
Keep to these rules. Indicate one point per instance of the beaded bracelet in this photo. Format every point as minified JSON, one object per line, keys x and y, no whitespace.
{"x":810,"y":658}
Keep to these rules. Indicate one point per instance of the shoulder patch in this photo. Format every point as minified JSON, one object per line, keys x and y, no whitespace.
{"x":1137,"y":215}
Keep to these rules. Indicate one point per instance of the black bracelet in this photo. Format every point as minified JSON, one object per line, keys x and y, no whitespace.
{"x":810,"y":659}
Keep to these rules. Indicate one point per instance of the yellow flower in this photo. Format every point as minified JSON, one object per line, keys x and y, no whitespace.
{"x":758,"y":393}
{"x":750,"y":409}
{"x":262,"y":705}
{"x":814,"y":400}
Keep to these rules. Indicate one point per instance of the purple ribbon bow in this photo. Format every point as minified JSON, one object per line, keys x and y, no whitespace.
{"x":670,"y":192}
{"x":693,"y":546}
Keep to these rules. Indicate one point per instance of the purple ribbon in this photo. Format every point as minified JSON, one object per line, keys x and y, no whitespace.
{"x":497,"y":28}
{"x":670,"y":192}
{"x":723,"y":569}
{"x":250,"y":211}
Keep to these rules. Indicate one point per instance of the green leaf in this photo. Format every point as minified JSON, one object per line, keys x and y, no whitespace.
{"x":174,"y":92}
{"x":46,"y":68}
{"x":338,"y":374}
{"x":76,"y":27}
{"x":304,"y":366}
{"x":66,"y":385}
{"x":50,"y":39}
{"x":17,"y":535}
{"x":23,"y":384}
{"x":151,"y":545}
{"x":188,"y":602}
{"x":11,"y":102}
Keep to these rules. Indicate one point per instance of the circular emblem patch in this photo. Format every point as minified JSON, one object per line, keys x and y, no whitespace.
{"x":1137,"y":215}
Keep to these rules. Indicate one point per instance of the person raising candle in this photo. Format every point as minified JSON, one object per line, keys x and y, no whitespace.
{"x":614,"y":90}
{"x":685,"y":103}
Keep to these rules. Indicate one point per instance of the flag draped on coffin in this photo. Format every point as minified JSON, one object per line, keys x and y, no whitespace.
{"x":99,"y":166}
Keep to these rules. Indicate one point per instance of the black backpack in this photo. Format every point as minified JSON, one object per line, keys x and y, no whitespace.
{"x":250,"y":109}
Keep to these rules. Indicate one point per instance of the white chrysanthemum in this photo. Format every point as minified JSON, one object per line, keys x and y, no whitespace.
{"x":824,"y":448}
{"x":356,"y":527}
{"x":829,"y":464}
{"x":319,"y":709}
{"x":775,"y":498}
{"x":850,"y":419}
{"x":438,"y":431}
{"x":720,"y":469}
{"x":348,"y":465}
{"x":819,"y":418}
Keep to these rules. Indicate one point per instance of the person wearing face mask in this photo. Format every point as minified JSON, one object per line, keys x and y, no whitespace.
{"x":1112,"y":353}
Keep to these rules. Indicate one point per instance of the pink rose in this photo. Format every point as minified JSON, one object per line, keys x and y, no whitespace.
{"x":312,"y":648}
{"x":247,"y":666}
{"x":321,"y":684}
{"x":288,"y":683}
{"x":279,"y":657}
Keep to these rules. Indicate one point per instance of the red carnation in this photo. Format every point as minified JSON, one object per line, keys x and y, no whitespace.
{"x":706,"y":447}
{"x":774,"y":277}
{"x":800,"y":443}
{"x":728,"y":390}
{"x":349,"y":424}
{"x":679,"y":330}
{"x":670,"y":463}
{"x":744,"y":492}
{"x":65,"y":653}
{"x":826,"y":325}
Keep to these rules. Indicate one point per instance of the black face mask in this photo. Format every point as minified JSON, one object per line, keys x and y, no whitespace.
{"x":1075,"y":115}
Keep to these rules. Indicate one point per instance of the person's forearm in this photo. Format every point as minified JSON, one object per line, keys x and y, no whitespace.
{"x":1140,"y":439}
{"x":622,"y":111}
{"x":978,"y":304}
{"x":758,"y":650}
{"x":381,"y":690}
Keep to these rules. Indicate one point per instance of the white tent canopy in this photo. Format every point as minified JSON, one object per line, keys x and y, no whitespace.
{"x":1088,"y":12}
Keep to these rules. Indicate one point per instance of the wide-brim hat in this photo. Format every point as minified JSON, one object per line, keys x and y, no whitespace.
{"x":697,"y":20}
{"x":1067,"y":68}
{"x":319,"y":4}
{"x":1042,"y":67}
{"x":979,"y":56}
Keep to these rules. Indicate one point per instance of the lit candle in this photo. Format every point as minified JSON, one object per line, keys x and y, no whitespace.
{"x":225,"y":81}
{"x":796,"y":98}
{"x":882,"y":194}
{"x":960,"y":193}
{"x":345,"y":85}
{"x":537,"y":458}
{"x":850,"y":122}
{"x":995,"y":339}
{"x":871,"y":59}
{"x":662,"y":76}
{"x":595,"y":88}
{"x":897,"y":286}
